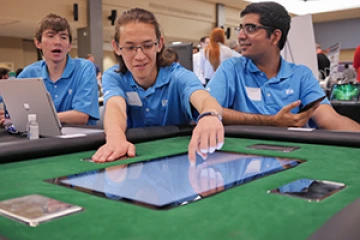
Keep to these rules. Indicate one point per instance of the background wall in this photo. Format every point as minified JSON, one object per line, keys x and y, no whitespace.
{"x":347,"y":32}
{"x":187,"y":21}
{"x":11,"y":50}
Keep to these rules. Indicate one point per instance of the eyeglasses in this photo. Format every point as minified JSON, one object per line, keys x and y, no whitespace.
{"x":251,"y":28}
{"x":146,"y":48}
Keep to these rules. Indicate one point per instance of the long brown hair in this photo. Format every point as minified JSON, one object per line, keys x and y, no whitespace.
{"x":140,"y":16}
{"x":212,"y":51}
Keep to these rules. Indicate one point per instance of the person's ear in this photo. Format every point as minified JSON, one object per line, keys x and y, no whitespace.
{"x":277,"y":36}
{"x":160,"y":44}
{"x":69,"y":48}
{"x":37,"y":43}
{"x":115,"y":46}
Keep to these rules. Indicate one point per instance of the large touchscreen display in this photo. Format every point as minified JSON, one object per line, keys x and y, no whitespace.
{"x":172,"y":181}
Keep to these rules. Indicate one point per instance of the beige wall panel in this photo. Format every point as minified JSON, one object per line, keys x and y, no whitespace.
{"x":73,"y":53}
{"x":34,"y":10}
{"x":11,"y":51}
{"x":186,"y":8}
{"x":347,"y":55}
{"x":176,"y":29}
{"x":232,"y":20}
{"x":109,"y":60}
{"x":188,"y":21}
{"x":30,"y":53}
{"x":232,"y":16}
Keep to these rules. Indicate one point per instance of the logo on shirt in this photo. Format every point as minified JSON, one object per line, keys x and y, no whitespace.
{"x":289,"y":91}
{"x":70,"y":91}
{"x":164,"y":102}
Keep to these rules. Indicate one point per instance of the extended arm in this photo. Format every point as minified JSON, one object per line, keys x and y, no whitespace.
{"x":327,"y":118}
{"x":115,"y":127}
{"x":208,"y":135}
{"x":284,"y":118}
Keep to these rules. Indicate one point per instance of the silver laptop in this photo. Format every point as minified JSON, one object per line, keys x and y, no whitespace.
{"x":29,"y":95}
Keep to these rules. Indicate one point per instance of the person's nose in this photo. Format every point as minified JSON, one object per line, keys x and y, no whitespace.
{"x":57,"y":39}
{"x":242,"y":34}
{"x":139,"y":54}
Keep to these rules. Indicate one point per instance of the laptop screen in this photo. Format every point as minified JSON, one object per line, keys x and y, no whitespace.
{"x":29,"y":96}
{"x":345,"y":92}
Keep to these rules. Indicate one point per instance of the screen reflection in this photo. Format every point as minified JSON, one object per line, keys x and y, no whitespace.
{"x":312,"y":190}
{"x":171,"y":181}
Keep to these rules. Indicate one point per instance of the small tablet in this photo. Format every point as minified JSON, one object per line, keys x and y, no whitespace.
{"x":309,"y":189}
{"x":273,"y":147}
{"x":35,"y":209}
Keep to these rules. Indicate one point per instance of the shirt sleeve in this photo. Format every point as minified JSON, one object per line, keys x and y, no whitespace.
{"x":188,"y":84}
{"x":111,"y":82}
{"x":86,"y":98}
{"x":221,"y":86}
{"x":310,"y":88}
{"x":356,"y":62}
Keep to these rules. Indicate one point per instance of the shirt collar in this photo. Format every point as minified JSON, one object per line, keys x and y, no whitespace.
{"x":161,"y":79}
{"x":69,"y":68}
{"x":284,"y":72}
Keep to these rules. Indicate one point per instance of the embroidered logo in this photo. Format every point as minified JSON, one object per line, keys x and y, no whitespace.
{"x":70,"y":91}
{"x":164,"y":102}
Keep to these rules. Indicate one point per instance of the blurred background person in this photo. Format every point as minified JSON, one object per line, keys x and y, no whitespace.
{"x":195,"y":50}
{"x":204,"y":42}
{"x":356,"y":62}
{"x":235,"y":46}
{"x":91,"y":58}
{"x":4,"y":73}
{"x":349,"y":73}
{"x":323,"y":62}
{"x":214,"y":54}
{"x":18,"y":71}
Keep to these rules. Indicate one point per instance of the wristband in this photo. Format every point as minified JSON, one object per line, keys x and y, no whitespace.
{"x":209,"y":114}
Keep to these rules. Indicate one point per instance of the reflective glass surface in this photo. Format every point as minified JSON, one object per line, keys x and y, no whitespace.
{"x":312,"y":190}
{"x":172,"y":181}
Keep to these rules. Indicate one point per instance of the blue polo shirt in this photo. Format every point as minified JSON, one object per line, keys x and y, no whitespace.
{"x":77,"y":88}
{"x":239,"y":84}
{"x":167,"y":102}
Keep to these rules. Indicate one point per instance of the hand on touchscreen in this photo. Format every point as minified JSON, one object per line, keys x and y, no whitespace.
{"x":113,"y":150}
{"x":207,"y":137}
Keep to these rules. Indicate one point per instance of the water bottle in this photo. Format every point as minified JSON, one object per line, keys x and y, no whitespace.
{"x":32,"y":127}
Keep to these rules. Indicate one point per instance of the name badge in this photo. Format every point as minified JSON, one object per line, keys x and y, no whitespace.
{"x":254,"y":93}
{"x":133,"y":99}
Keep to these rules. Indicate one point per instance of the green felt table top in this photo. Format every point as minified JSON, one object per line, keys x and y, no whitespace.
{"x":243,"y":212}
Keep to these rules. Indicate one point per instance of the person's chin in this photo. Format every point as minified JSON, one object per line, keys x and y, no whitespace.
{"x":57,"y":59}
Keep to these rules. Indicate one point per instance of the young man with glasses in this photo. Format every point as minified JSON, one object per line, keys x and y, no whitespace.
{"x":146,"y":89}
{"x":261,"y":88}
{"x":71,"y":82}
